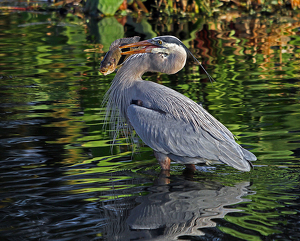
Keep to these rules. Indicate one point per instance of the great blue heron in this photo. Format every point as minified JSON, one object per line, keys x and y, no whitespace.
{"x":173,"y":125}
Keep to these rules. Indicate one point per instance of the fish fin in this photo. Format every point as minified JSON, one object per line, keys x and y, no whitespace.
{"x":124,"y":41}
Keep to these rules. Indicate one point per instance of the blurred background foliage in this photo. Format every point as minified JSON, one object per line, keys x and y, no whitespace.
{"x":153,"y":7}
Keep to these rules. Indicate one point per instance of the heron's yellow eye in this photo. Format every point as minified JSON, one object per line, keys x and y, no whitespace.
{"x":159,"y":42}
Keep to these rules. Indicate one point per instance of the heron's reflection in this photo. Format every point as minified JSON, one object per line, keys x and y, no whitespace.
{"x":180,"y":208}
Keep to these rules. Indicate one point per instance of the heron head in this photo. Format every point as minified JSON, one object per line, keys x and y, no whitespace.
{"x":167,"y":54}
{"x":157,"y":45}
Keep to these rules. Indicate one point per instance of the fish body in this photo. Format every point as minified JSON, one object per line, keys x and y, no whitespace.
{"x":112,"y":57}
{"x":110,"y":61}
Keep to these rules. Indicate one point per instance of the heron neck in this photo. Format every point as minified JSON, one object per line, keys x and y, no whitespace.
{"x":118,"y":95}
{"x":131,"y":71}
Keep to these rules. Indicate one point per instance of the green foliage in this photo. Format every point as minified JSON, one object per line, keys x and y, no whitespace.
{"x":106,"y":7}
{"x":142,"y":27}
{"x":106,"y":31}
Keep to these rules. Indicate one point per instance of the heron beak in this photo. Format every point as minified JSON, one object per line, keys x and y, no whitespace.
{"x":140,"y":47}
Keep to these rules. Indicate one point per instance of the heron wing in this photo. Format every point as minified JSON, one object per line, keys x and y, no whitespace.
{"x":162,"y":98}
{"x":169,"y":135}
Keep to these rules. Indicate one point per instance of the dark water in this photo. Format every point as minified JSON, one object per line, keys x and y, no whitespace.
{"x":58,"y":177}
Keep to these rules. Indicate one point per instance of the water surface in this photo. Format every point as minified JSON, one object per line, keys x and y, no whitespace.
{"x":61,"y":180}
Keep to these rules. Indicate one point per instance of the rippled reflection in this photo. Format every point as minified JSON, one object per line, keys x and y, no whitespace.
{"x":182,"y":208}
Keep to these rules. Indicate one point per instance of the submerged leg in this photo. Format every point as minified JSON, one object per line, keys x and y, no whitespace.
{"x":190,"y":167}
{"x":163,"y":178}
{"x":189,"y":170}
{"x":163,"y":160}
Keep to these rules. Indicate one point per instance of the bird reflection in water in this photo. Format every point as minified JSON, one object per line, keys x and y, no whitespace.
{"x":181,"y":208}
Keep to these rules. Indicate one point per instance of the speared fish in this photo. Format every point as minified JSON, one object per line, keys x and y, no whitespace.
{"x":110,"y":62}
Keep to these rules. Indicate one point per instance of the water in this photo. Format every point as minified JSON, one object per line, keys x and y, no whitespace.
{"x":59,"y":179}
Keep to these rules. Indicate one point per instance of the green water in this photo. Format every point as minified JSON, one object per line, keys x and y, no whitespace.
{"x":61,"y":180}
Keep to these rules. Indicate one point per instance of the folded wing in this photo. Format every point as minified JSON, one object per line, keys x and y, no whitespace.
{"x":169,"y":135}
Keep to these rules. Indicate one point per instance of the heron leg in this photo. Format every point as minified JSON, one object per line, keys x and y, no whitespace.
{"x":190,"y":167}
{"x":163,"y":160}
{"x":189,"y":171}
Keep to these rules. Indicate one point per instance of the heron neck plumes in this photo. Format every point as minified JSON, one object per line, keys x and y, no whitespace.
{"x":118,"y":97}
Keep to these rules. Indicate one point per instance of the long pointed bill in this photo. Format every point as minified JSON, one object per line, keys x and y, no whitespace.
{"x":141,"y":47}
